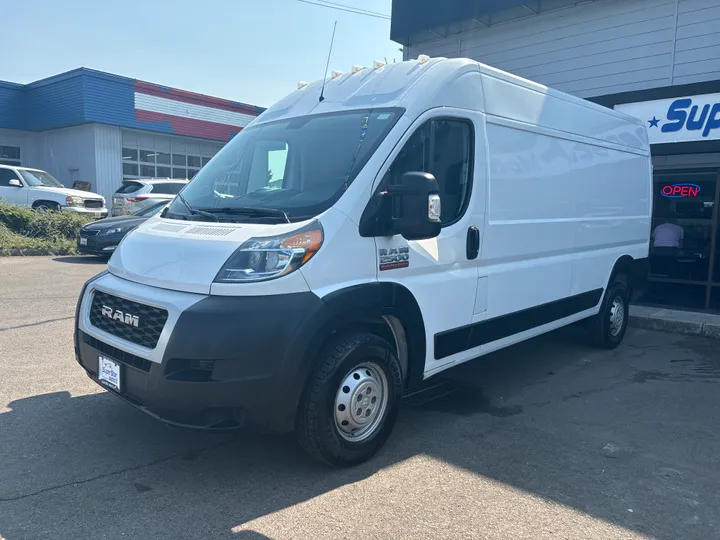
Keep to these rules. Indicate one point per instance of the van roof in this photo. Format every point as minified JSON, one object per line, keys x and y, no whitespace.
{"x":416,"y":85}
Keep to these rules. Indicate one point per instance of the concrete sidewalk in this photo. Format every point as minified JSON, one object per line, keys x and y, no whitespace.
{"x":679,"y":322}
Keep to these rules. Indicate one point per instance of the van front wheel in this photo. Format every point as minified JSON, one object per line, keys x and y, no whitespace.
{"x":351,"y":403}
{"x":608,"y":327}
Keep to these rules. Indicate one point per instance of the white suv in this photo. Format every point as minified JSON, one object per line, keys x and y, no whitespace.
{"x":139,"y":193}
{"x":33,"y":188}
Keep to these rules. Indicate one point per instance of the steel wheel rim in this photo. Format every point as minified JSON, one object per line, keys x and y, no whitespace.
{"x":361,"y":402}
{"x":617,"y":316}
{"x":42,"y":209}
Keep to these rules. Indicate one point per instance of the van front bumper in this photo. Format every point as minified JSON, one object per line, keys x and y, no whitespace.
{"x":226,"y":362}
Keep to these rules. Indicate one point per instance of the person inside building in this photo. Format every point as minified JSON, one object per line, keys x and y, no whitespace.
{"x":667,"y":241}
{"x":668,"y":235}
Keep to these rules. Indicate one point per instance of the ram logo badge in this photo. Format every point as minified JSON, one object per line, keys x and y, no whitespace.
{"x":117,"y":315}
{"x":393,"y":258}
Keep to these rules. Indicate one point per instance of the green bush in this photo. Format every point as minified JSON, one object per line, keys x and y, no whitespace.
{"x":24,"y":231}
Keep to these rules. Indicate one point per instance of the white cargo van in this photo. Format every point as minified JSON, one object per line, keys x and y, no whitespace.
{"x":355,"y":240}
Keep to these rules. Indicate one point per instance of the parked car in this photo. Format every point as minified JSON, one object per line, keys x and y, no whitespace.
{"x":33,"y":188}
{"x":136,"y":194}
{"x":103,"y":236}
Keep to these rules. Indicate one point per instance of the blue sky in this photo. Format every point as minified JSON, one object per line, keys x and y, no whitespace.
{"x":253,"y":51}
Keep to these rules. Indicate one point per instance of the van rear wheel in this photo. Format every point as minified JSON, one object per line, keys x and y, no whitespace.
{"x":607,"y":328}
{"x":351,"y":403}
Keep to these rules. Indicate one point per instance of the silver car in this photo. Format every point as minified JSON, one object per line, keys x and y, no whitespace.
{"x":138,"y":193}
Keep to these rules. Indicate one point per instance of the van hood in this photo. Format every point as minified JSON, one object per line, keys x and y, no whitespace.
{"x":69,"y":192}
{"x":184,"y":255}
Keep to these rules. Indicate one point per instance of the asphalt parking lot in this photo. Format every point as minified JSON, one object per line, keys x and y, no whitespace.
{"x":549,"y":439}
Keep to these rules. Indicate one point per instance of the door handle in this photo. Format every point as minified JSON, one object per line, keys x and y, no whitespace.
{"x":473,"y":243}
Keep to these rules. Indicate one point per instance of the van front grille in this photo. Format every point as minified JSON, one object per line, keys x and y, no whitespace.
{"x":128,"y":320}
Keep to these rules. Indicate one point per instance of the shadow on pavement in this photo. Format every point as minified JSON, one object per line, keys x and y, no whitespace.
{"x":550,"y":417}
{"x":82,"y":259}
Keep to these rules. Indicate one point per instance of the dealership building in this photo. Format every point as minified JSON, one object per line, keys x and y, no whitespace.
{"x":94,"y":127}
{"x":658,"y":60}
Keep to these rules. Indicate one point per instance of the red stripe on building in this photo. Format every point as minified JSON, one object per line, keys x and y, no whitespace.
{"x":142,"y":87}
{"x":190,"y":126}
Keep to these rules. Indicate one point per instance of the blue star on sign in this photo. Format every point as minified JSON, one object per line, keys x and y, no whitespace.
{"x":654,"y":122}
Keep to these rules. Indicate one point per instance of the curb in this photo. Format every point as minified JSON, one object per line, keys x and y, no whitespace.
{"x":677,"y":325}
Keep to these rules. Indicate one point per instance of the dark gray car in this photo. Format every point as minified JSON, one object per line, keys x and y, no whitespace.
{"x":103,"y":236}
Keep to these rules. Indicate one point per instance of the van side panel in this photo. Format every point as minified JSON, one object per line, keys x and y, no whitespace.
{"x":613,"y":205}
{"x":514,"y":98}
{"x":530,"y":231}
{"x":569,"y":193}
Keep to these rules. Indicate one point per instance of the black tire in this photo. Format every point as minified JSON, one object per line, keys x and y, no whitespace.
{"x":606,"y":331}
{"x":45,"y":207}
{"x":317,"y":430}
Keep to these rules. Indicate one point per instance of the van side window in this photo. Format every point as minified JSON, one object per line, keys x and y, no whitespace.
{"x":5,"y":176}
{"x":444,"y":148}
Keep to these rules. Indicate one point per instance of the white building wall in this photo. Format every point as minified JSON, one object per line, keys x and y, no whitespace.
{"x":108,"y":160}
{"x":594,"y":48}
{"x":68,"y":154}
{"x":25,"y":140}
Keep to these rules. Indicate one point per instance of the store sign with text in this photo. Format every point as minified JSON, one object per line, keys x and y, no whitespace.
{"x":683,"y":119}
{"x":680,"y":191}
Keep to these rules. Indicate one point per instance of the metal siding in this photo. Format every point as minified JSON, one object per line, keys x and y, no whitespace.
{"x":598,"y":48}
{"x":109,"y":101}
{"x":61,"y":150}
{"x":25,"y":141}
{"x":711,"y":76}
{"x":449,"y":48}
{"x":139,"y":105}
{"x":551,"y":32}
{"x":587,"y":49}
{"x":55,"y":105}
{"x":11,"y":109}
{"x":697,"y":56}
{"x":86,"y":96}
{"x":108,"y":159}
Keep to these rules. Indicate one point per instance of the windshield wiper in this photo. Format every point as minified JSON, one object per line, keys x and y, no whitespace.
{"x":195,"y":212}
{"x":249,"y":211}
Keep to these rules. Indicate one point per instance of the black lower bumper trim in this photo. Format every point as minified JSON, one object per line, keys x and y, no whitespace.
{"x":211,"y":420}
{"x":116,"y":354}
{"x":230,"y":362}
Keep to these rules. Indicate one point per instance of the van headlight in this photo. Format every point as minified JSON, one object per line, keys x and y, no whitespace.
{"x":260,"y":259}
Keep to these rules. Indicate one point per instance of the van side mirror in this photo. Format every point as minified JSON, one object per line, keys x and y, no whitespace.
{"x":411,"y":209}
{"x":15,"y":183}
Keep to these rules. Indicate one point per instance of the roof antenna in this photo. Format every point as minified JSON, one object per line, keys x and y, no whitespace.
{"x":322,"y":90}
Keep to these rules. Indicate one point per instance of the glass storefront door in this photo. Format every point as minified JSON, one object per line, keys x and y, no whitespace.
{"x":684,"y":266}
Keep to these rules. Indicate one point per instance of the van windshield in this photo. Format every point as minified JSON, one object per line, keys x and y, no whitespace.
{"x":286,"y":170}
